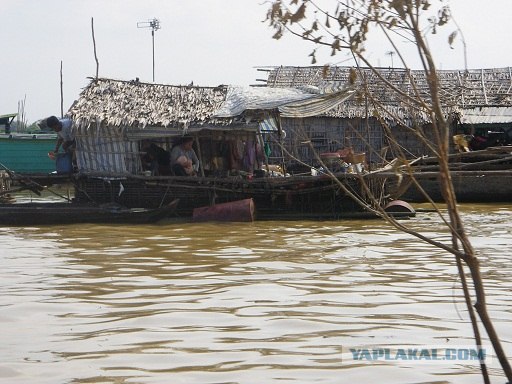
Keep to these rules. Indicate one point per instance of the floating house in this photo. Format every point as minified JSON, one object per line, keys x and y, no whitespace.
{"x":234,"y":129}
{"x":477,"y":102}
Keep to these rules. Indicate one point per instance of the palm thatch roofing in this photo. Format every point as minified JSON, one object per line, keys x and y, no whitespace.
{"x":461,"y":91}
{"x":166,"y":108}
{"x":134,"y":104}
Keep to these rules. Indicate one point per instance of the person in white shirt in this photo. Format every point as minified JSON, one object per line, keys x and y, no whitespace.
{"x":65,"y":135}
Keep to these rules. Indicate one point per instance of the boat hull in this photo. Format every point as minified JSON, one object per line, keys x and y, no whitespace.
{"x":30,"y":214}
{"x":305,"y":197}
{"x":470,"y":186}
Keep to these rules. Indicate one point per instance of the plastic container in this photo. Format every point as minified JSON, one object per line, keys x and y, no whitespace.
{"x":63,"y":163}
{"x":240,"y":210}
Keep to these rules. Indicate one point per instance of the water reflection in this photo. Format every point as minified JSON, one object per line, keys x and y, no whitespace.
{"x":240,"y":303}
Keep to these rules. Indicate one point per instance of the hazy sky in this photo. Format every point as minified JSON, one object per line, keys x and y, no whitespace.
{"x":209,"y":42}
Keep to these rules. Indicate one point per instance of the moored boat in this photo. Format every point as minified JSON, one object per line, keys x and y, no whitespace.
{"x":477,"y":176}
{"x":29,"y":214}
{"x":297,"y":197}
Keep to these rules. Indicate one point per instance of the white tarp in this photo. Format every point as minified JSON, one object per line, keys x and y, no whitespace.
{"x":291,"y":102}
{"x":315,"y":106}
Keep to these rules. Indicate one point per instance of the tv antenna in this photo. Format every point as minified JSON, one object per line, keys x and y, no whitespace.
{"x":391,"y":54}
{"x":155,"y":26}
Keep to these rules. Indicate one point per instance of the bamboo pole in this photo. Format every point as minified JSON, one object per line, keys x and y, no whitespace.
{"x":94,"y":46}
{"x":200,"y":156}
{"x":61,"y":92}
{"x":265,"y":158}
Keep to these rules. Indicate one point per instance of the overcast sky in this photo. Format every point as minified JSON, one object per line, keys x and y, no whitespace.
{"x":209,"y":42}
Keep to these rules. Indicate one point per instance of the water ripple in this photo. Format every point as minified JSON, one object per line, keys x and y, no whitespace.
{"x":241,"y":303}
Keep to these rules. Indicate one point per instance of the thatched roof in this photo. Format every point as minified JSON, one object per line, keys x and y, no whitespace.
{"x":460,"y":90}
{"x":133,"y":104}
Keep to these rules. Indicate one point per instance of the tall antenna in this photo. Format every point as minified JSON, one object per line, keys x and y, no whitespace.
{"x":391,"y":54}
{"x":155,"y":26}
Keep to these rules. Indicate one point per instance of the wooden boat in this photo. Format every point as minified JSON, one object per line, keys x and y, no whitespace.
{"x":293,"y":197}
{"x":28,"y":214}
{"x":477,"y":176}
{"x":484,"y":186}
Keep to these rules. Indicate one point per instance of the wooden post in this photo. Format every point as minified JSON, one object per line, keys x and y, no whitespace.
{"x":94,"y":45}
{"x":61,"y":93}
{"x":281,"y":144}
{"x":199,"y":156}
{"x":263,"y":150}
{"x":258,"y":165}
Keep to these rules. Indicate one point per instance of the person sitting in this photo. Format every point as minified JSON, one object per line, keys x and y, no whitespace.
{"x":184,"y":161}
{"x":156,"y":159}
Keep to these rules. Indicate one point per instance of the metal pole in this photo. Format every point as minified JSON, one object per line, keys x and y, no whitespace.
{"x":155,"y":26}
{"x":153,"y":39}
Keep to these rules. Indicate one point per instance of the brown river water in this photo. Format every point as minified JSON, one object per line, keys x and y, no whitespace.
{"x":263,"y":302}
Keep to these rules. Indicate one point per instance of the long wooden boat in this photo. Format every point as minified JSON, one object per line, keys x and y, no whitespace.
{"x":484,"y":186}
{"x":29,"y":214}
{"x":478,"y":176}
{"x":304,"y":197}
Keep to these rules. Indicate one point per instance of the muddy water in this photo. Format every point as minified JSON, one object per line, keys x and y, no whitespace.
{"x":267,"y":302}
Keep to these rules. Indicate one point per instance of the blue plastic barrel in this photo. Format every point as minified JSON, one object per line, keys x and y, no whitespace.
{"x":63,"y":163}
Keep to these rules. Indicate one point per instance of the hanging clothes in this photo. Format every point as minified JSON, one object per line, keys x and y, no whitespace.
{"x":267,"y":150}
{"x":249,"y":160}
{"x":236,"y":154}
